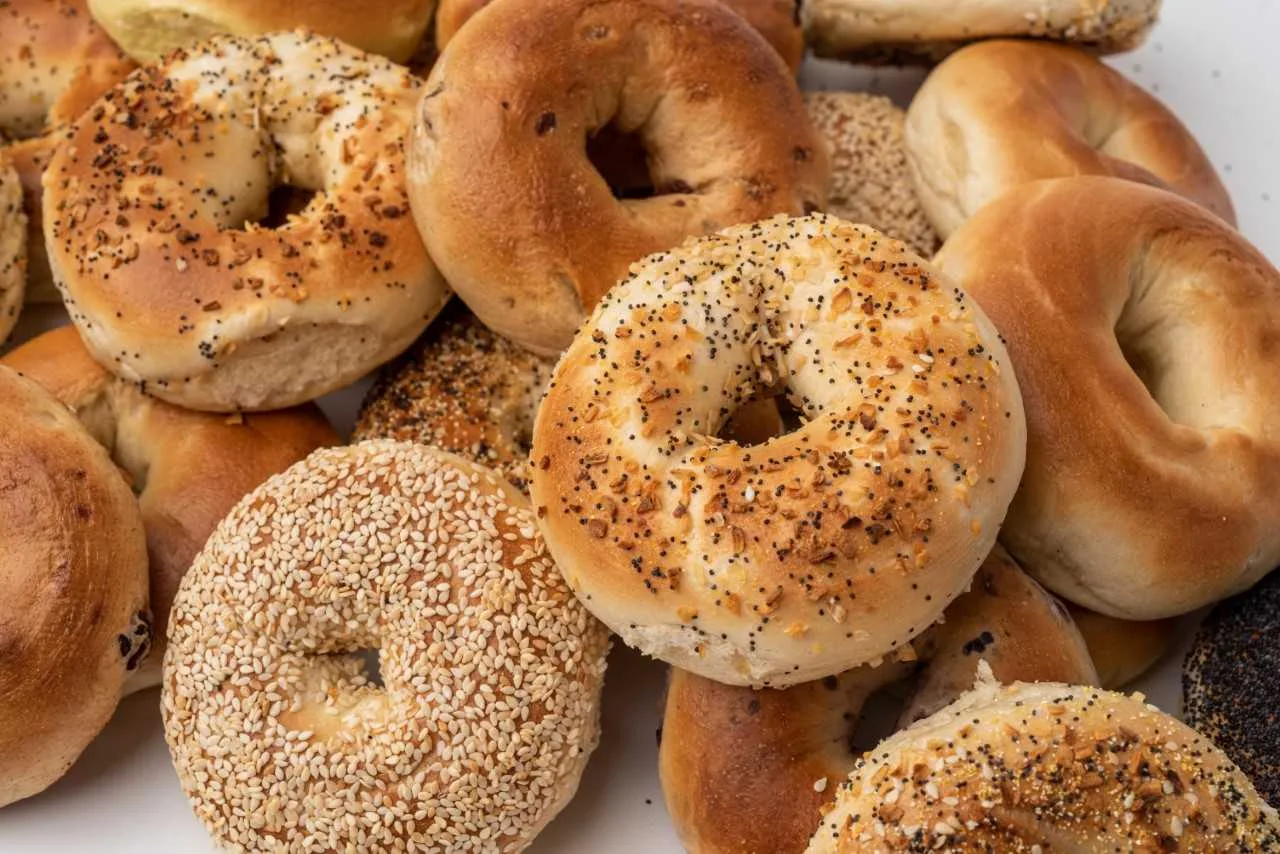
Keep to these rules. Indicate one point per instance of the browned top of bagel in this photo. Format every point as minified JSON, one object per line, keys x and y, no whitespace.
{"x":187,"y":468}
{"x":73,"y":587}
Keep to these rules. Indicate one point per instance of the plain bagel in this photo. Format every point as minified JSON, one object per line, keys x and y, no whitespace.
{"x":188,"y":469}
{"x":151,"y":212}
{"x":821,"y":549}
{"x":73,"y":590}
{"x":1143,"y":329}
{"x":504,"y":124}
{"x":999,"y":114}
{"x":927,"y":30}
{"x":750,"y":771}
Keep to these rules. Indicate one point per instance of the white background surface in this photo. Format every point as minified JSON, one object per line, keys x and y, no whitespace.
{"x":1216,"y":64}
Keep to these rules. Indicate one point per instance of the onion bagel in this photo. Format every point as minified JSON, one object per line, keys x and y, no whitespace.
{"x":505,"y":121}
{"x":968,"y":141}
{"x":1142,"y":328}
{"x":73,"y":589}
{"x":151,"y":211}
{"x":819,"y":550}
{"x":188,"y":469}
{"x":731,"y":756}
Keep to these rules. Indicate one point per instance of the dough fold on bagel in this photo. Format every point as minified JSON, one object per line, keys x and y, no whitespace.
{"x":1003,"y":113}
{"x":818,"y":550}
{"x":895,"y":31}
{"x":490,"y":669}
{"x":731,"y":756}
{"x":13,"y":247}
{"x":73,"y":588}
{"x":149,"y":29}
{"x":1141,"y":327}
{"x":151,"y":211}
{"x":505,"y":122}
{"x":1047,"y":767}
{"x":54,"y":62}
{"x":188,"y":469}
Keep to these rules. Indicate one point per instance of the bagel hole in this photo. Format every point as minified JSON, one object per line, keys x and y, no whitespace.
{"x":282,"y":202}
{"x":372,"y":665}
{"x":878,"y":717}
{"x":622,"y":160}
{"x":761,"y":419}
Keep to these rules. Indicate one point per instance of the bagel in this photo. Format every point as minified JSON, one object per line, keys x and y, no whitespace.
{"x":870,"y":181}
{"x":187,"y":468}
{"x":1047,"y":767}
{"x":1141,"y":326}
{"x":720,"y":118}
{"x":149,"y":29}
{"x":777,"y":20}
{"x":54,"y":62}
{"x":896,"y":31}
{"x":749,"y":772}
{"x":13,"y":247}
{"x":152,"y":240}
{"x":1123,"y":650}
{"x":968,"y":141}
{"x":73,"y":590}
{"x":491,"y":671}
{"x":816,"y":551}
{"x":1229,"y":682}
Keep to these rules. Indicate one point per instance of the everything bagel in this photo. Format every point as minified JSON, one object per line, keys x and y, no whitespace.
{"x":1143,"y":329}
{"x":13,"y":247}
{"x":818,"y":550}
{"x":504,"y":124}
{"x":151,"y":212}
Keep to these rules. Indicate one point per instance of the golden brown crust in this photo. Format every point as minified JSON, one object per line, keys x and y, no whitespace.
{"x":13,"y":247}
{"x":926,"y":31}
{"x":870,"y":179}
{"x":688,"y":77}
{"x":1029,"y":768}
{"x":967,"y":141}
{"x":817,"y":551}
{"x":1147,"y":491}
{"x":750,"y":771}
{"x":188,"y":468}
{"x":149,"y":29}
{"x":777,"y":20}
{"x":73,"y":588}
{"x":1123,"y":650}
{"x":146,"y":209}
{"x":54,"y":62}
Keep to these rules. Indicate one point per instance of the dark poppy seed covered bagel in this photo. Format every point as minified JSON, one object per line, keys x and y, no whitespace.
{"x":491,"y":670}
{"x":504,"y":124}
{"x":151,"y":212}
{"x":821,"y":549}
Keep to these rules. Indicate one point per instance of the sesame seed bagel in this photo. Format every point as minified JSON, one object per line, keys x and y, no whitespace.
{"x":54,"y":62}
{"x":151,"y":227}
{"x":927,"y":30}
{"x":1142,"y":328}
{"x":967,"y":139}
{"x":149,"y":29}
{"x":1229,"y":682}
{"x":1123,"y":650}
{"x":464,"y":390}
{"x":491,"y":670}
{"x":870,"y":180}
{"x":818,"y":550}
{"x":777,"y":20}
{"x":73,"y":589}
{"x":187,"y":468}
{"x":1047,"y":767}
{"x":13,"y":247}
{"x":732,"y":756}
{"x":505,"y":121}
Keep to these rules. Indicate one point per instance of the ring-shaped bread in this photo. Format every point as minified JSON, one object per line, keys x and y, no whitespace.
{"x":821,"y":549}
{"x":504,"y":125}
{"x":490,"y":669}
{"x":750,"y":771}
{"x":151,"y":210}
{"x":999,"y":114}
{"x":1144,"y":329}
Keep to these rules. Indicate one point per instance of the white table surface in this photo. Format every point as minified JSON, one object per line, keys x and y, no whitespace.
{"x":1215,"y":64}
